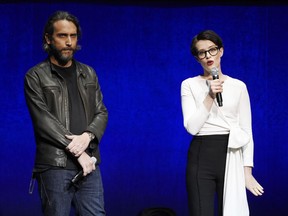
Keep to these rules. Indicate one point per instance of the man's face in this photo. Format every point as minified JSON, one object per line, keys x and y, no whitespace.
{"x":63,"y":42}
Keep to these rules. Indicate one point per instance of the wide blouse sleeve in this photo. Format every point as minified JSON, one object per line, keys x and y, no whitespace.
{"x":194,"y":112}
{"x":245,"y":122}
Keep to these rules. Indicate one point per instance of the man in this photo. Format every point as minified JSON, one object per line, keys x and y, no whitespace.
{"x":69,"y":118}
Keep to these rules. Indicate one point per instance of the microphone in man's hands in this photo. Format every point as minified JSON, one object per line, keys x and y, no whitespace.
{"x":79,"y":175}
{"x":214,"y":72}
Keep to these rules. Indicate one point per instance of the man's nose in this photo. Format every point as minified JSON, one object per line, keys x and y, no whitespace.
{"x":68,"y":41}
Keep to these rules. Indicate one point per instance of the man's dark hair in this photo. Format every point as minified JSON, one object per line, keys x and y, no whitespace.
{"x":49,"y":27}
{"x":205,"y":35}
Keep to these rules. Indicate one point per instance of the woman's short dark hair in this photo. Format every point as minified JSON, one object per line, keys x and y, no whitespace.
{"x":49,"y":27}
{"x":205,"y":35}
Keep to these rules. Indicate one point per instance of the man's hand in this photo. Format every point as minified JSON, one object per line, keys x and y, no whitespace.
{"x":78,"y":144}
{"x":87,"y":163}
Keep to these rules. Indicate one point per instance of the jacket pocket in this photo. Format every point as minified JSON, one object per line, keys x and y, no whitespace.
{"x":53,"y":96}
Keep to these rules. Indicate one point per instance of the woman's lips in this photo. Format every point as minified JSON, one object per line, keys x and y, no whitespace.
{"x":209,"y":63}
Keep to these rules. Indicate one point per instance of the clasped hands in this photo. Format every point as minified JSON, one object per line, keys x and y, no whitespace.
{"x":77,"y":147}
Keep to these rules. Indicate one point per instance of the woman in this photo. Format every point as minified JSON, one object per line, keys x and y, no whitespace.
{"x":219,"y":161}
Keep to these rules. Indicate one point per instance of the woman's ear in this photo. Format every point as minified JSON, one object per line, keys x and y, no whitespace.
{"x":221,"y":51}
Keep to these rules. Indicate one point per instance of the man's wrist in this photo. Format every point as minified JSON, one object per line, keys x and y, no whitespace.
{"x":91,"y":135}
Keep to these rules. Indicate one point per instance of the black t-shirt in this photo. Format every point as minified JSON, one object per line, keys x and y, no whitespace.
{"x":76,"y":109}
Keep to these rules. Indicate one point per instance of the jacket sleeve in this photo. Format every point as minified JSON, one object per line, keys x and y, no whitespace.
{"x":100,"y":114}
{"x":46,"y":126}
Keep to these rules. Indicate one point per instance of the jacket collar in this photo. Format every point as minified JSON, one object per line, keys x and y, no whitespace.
{"x":79,"y":68}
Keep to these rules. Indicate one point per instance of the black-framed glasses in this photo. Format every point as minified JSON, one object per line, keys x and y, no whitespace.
{"x":213,"y":51}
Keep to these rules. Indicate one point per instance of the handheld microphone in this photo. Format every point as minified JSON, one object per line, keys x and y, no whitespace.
{"x":215,"y":75}
{"x":79,"y":175}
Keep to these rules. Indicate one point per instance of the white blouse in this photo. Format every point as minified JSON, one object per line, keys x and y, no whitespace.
{"x":236,"y":109}
{"x":234,"y":113}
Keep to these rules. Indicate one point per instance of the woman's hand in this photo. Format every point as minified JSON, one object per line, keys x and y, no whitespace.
{"x":215,"y":86}
{"x":251,"y":184}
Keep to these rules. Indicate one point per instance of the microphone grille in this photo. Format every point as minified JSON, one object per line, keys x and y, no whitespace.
{"x":214,"y":71}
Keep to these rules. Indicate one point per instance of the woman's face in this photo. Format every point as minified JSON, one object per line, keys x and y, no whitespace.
{"x":209,"y":55}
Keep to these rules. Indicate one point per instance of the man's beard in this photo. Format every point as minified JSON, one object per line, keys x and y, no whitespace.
{"x":59,"y":57}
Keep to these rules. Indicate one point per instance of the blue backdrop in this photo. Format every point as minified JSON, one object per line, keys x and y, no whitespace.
{"x":141,"y":54}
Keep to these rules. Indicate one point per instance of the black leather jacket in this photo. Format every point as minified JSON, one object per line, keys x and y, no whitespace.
{"x":47,"y":100}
